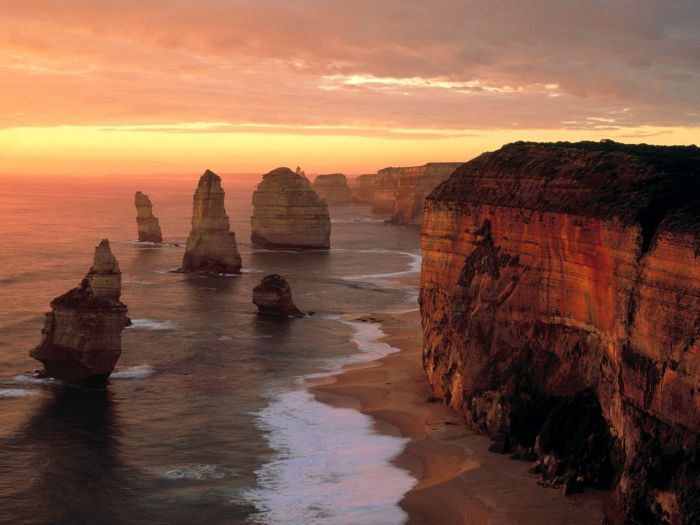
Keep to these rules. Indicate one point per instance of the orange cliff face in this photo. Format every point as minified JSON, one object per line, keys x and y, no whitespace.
{"x":560,"y":300}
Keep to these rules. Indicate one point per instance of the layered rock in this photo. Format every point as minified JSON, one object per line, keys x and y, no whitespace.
{"x":147,"y":223}
{"x":211,"y":245}
{"x":273,"y":297}
{"x":81,"y":339}
{"x":333,"y":189}
{"x":287,"y":213}
{"x":560,"y":287}
{"x":402,"y":191}
{"x":363,"y":188}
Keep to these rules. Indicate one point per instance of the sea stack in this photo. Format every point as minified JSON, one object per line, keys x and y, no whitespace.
{"x":287,"y":213}
{"x":211,"y":245}
{"x":273,"y":297}
{"x":82,"y":332}
{"x":333,"y":189}
{"x":148,"y":226}
{"x":560,"y":303}
{"x":363,"y":188}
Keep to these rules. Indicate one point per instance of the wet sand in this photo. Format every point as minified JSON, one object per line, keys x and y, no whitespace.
{"x":459,"y":481}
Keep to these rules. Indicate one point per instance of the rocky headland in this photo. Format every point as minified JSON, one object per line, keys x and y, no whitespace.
{"x":402,"y":191}
{"x":211,"y":245}
{"x":362,"y":188}
{"x":288,"y":213}
{"x":81,"y":339}
{"x":273,"y":297}
{"x":147,"y":223}
{"x":560,"y":303}
{"x":333,"y":189}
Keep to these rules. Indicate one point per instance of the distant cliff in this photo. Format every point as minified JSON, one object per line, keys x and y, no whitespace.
{"x":560,"y":300}
{"x":401,"y":191}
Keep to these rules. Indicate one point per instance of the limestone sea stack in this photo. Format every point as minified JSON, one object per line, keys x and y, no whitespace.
{"x":82,"y":332}
{"x":333,"y":189}
{"x":211,"y":245}
{"x":363,"y":188}
{"x":560,"y":303}
{"x":273,"y":297}
{"x":288,"y":213}
{"x":147,"y":223}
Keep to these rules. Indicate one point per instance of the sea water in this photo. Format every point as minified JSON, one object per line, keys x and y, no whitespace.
{"x":207,"y":418}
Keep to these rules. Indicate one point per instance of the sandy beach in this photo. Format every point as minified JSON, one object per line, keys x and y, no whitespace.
{"x":459,"y":480}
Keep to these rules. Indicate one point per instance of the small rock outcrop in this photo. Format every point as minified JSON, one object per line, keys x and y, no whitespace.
{"x":211,"y":245}
{"x":82,"y":332}
{"x":363,"y":188}
{"x":333,"y":189}
{"x":147,"y":223}
{"x":273,"y":296}
{"x":288,"y":213}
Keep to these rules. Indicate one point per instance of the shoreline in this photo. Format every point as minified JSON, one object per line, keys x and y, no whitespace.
{"x":457,"y":479}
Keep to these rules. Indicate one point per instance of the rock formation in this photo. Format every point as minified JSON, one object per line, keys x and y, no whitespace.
{"x":363,"y":188}
{"x":402,"y":191}
{"x":273,"y":296}
{"x":333,"y":189}
{"x":211,"y":245}
{"x":560,"y":301}
{"x":287,"y":213}
{"x":82,"y":333}
{"x":148,"y":226}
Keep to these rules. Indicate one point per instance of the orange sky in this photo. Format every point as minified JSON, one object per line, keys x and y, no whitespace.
{"x":97,"y":87}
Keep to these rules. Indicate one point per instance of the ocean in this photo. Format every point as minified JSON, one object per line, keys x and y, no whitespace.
{"x":207,"y":418}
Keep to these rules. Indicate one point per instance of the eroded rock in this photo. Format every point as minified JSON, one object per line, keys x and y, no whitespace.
{"x":147,"y":223}
{"x":273,"y":297}
{"x":333,"y":189}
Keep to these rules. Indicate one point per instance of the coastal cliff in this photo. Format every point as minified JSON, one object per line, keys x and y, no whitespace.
{"x":402,"y":191}
{"x":147,"y":223}
{"x":211,"y":245}
{"x":333,"y":189}
{"x":81,"y":339}
{"x":362,"y":188}
{"x":560,"y":302}
{"x":288,"y":213}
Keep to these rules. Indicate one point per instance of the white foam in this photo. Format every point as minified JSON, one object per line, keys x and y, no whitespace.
{"x":152,"y":324}
{"x":30,"y":379}
{"x":13,"y":393}
{"x":413,"y":268}
{"x":134,"y":372}
{"x":329,"y":465}
{"x":195,"y":472}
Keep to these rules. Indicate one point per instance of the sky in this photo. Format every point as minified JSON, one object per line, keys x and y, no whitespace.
{"x":92,"y":87}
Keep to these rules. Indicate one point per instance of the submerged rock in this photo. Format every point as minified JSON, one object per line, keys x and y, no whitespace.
{"x":148,"y":226}
{"x":273,"y":296}
{"x":211,"y":245}
{"x":333,"y":189}
{"x":287,"y":213}
{"x":82,"y":332}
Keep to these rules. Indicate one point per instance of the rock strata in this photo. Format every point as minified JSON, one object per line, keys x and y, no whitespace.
{"x":333,"y":189}
{"x":287,"y":213}
{"x":81,"y":339}
{"x":147,"y":223}
{"x":560,"y":301}
{"x":273,"y":297}
{"x":211,"y":245}
{"x":363,"y":188}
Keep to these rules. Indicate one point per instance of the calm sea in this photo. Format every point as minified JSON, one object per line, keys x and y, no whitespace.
{"x":207,"y":418}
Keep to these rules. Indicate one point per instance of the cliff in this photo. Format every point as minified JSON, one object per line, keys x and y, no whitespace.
{"x":211,"y":245}
{"x":402,"y":191}
{"x":363,"y":188}
{"x":81,"y":339}
{"x":333,"y":189}
{"x":287,"y":213}
{"x":273,"y":297}
{"x":560,"y":301}
{"x":147,"y":223}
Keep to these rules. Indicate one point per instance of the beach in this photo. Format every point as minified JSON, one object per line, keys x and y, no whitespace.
{"x":459,"y":480}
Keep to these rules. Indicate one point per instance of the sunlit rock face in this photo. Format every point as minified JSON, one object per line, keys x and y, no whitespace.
{"x":333,"y":189}
{"x":82,"y":332}
{"x":147,"y":223}
{"x":211,"y":245}
{"x":402,"y":191}
{"x":273,"y":297}
{"x":287,"y":213}
{"x":561,"y":277}
{"x":363,"y":188}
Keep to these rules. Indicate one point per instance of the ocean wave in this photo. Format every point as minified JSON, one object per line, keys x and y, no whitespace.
{"x":196,"y":472}
{"x":14,"y":393}
{"x":31,"y":379}
{"x":152,"y":324}
{"x":134,"y":372}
